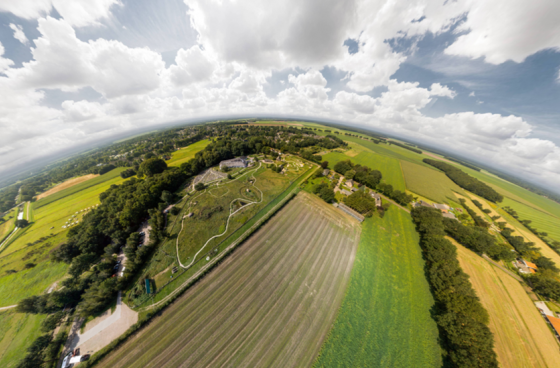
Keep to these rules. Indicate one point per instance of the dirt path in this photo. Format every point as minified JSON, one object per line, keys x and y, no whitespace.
{"x":8,"y":307}
{"x":67,"y":184}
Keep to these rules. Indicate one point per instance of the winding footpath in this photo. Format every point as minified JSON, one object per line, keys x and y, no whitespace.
{"x":231,"y":214}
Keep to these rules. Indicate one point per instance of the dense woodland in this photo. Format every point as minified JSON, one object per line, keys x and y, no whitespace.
{"x":466,"y":181}
{"x":462,"y":320}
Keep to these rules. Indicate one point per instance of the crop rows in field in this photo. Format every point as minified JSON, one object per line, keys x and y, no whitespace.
{"x":384,"y":320}
{"x":270,"y":304}
{"x":522,"y":338}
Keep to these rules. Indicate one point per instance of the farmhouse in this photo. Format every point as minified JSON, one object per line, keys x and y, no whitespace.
{"x":525,"y":266}
{"x":234,"y":162}
{"x":345,"y":192}
{"x":441,"y":206}
{"x":326,"y":172}
{"x":349,"y":183}
{"x":543,"y":308}
{"x":448,"y":215}
{"x":422,"y":203}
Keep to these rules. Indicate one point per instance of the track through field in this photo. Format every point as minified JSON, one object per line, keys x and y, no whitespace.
{"x":270,"y":304}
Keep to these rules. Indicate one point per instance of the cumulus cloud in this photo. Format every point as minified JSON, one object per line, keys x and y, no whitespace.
{"x":504,"y":30}
{"x":242,"y":46}
{"x":19,"y":34}
{"x":76,"y":12}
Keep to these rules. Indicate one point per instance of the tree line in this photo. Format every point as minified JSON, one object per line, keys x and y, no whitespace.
{"x":462,"y":320}
{"x":466,"y":181}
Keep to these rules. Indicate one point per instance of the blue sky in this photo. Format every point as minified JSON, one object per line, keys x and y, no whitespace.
{"x":478,"y":78}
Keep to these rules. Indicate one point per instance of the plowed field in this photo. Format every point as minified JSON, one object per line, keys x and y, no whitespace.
{"x":270,"y":304}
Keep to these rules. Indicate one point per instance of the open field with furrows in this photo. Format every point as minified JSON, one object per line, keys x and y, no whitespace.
{"x":186,"y":153}
{"x":67,"y":184}
{"x":17,"y":332}
{"x":33,"y":244}
{"x":388,"y":166}
{"x":270,"y":304}
{"x":429,"y":183}
{"x":522,"y":338}
{"x":384,"y":320}
{"x":211,"y":209}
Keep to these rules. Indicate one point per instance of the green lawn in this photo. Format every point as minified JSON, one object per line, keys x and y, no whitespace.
{"x":389,"y":167}
{"x":17,"y":332}
{"x":186,"y":153}
{"x":7,"y":226}
{"x":429,"y":183}
{"x":384,"y":320}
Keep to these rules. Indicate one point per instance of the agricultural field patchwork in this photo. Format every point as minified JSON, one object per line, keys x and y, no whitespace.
{"x":541,"y":220}
{"x":186,"y":153}
{"x":66,"y":184}
{"x":25,"y":268}
{"x":270,"y":304}
{"x":522,"y":337}
{"x":429,"y":183}
{"x":385,"y":320}
{"x":7,"y":226}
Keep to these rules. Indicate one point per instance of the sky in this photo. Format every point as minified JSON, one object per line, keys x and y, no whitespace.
{"x":479,"y":78}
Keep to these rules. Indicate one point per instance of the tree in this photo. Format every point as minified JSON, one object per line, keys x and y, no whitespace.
{"x":324,"y":164}
{"x":199,"y":186}
{"x":546,"y":263}
{"x":546,"y":287}
{"x":22,"y":223}
{"x":152,"y":166}
{"x":229,"y":176}
{"x":127,"y":173}
{"x":167,"y":196}
{"x":350,"y":174}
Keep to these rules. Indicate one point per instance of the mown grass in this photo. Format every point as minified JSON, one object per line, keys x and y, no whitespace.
{"x":389,"y":167}
{"x":429,"y":183}
{"x":186,"y":153}
{"x":17,"y":332}
{"x":384,"y":320}
{"x":111,"y":175}
{"x":8,"y":226}
{"x":522,"y":338}
{"x":542,"y":221}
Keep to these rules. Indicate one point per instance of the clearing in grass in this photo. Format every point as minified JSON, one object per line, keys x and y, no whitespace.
{"x":384,"y":320}
{"x":429,"y":183}
{"x":67,"y":184}
{"x":522,"y":338}
{"x":270,"y":304}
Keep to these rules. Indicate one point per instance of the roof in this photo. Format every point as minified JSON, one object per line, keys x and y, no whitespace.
{"x":544,"y":308}
{"x":346,"y":192}
{"x":531,"y":265}
{"x":441,"y":206}
{"x":555,"y":322}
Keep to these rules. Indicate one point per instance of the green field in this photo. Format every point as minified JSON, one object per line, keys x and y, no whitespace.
{"x":270,"y":304}
{"x":384,"y":320}
{"x":7,"y":226}
{"x":186,"y":153}
{"x":33,"y":244}
{"x":17,"y":332}
{"x":389,"y":167}
{"x":429,"y":183}
{"x":542,"y":221}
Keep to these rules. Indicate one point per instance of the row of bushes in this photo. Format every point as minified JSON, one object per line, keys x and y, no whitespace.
{"x":462,"y":320}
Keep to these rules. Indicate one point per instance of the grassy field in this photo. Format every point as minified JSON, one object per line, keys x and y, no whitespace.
{"x":389,"y":167}
{"x":270,"y":304}
{"x":7,"y":226}
{"x":32,"y":245}
{"x":522,"y":338}
{"x":429,"y":183}
{"x":542,"y":221}
{"x":384,"y":320}
{"x":66,"y":184}
{"x":211,"y":210}
{"x":17,"y":332}
{"x":186,"y":153}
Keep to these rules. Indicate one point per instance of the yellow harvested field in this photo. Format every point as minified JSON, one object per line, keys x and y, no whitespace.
{"x":67,"y":184}
{"x":522,"y":337}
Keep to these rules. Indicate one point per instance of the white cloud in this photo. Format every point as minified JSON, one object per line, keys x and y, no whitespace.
{"x":81,"y":110}
{"x":502,"y":30}
{"x":471,"y":94}
{"x":4,"y":63}
{"x":77,"y":13}
{"x":19,"y":34}
{"x":353,"y":102}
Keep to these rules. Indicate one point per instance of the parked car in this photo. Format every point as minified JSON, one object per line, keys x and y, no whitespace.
{"x":84,"y":358}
